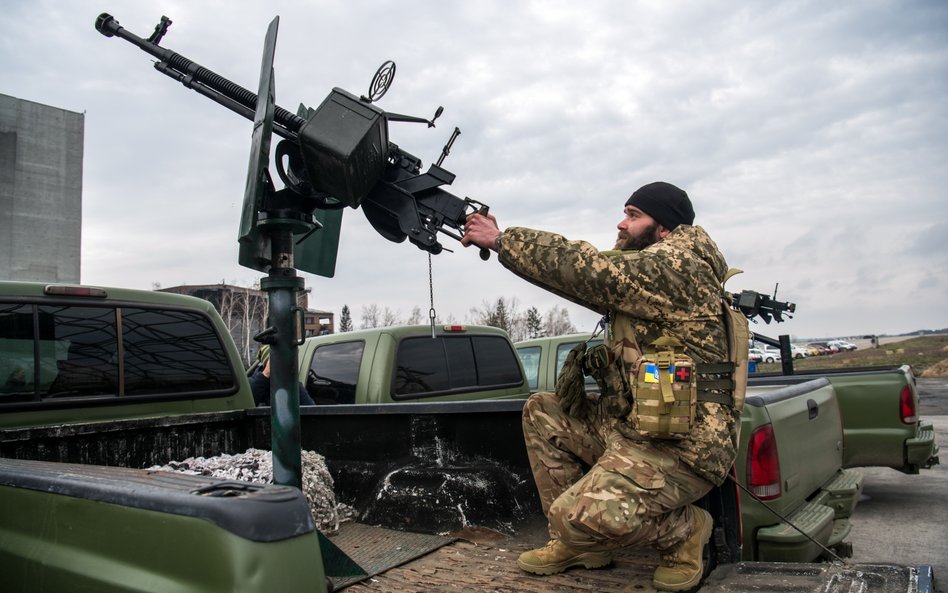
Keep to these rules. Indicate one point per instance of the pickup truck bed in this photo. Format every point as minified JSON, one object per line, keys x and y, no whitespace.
{"x":477,"y":561}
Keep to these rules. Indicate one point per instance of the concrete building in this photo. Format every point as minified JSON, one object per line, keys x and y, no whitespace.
{"x":41,"y":150}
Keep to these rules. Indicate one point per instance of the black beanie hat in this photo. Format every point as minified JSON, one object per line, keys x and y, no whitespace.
{"x":667,"y":204}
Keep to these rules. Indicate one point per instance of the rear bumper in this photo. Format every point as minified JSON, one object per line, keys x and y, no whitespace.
{"x":794,"y":540}
{"x":921,"y":452}
{"x":822,"y":521}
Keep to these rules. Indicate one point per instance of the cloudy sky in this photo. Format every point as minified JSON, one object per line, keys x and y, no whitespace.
{"x":811,"y":136}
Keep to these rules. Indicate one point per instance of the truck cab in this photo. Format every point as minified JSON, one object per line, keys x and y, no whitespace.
{"x":401,"y":364}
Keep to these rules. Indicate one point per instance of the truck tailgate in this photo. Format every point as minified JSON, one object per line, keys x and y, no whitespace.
{"x":808,"y":432}
{"x":72,"y":527}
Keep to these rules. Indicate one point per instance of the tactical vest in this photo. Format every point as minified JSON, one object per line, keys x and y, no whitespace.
{"x":641,"y":386}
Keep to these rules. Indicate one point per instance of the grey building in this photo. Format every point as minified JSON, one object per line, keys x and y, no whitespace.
{"x":40,"y":191}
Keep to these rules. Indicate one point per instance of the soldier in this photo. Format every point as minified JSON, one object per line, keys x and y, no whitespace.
{"x":663,"y":279}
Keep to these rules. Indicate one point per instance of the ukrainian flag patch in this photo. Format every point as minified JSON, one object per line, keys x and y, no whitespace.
{"x":651,"y":373}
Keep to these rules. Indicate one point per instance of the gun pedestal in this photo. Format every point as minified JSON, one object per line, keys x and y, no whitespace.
{"x":285,"y":334}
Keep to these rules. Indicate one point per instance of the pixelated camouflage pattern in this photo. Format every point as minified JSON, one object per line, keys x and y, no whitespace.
{"x":633,"y":494}
{"x":672,"y":288}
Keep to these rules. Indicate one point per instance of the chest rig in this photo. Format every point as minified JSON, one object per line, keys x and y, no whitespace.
{"x":657,"y":390}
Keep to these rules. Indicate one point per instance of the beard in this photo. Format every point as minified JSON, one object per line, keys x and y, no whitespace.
{"x":638,"y":241}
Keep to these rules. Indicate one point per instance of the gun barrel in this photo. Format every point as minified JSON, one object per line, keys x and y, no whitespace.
{"x":201,"y":79}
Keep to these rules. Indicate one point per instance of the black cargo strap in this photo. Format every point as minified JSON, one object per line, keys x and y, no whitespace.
{"x":716,"y":382}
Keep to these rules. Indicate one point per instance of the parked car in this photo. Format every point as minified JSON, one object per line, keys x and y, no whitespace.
{"x":842,"y":345}
{"x":822,"y":348}
{"x":764,"y":355}
{"x":800,"y":351}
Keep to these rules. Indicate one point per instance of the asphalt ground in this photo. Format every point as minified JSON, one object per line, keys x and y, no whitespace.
{"x":903,"y":519}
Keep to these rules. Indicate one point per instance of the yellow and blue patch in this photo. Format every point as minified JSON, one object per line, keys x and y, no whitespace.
{"x":681,"y":375}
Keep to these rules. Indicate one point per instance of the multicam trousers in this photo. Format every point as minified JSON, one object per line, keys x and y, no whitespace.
{"x":601,"y":490}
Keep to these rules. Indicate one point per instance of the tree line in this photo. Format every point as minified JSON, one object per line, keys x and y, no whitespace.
{"x":504,"y":313}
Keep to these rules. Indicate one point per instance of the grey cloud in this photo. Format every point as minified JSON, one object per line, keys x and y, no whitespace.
{"x":811,"y":137}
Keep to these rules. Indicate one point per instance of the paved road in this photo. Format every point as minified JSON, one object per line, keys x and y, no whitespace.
{"x":933,"y":397}
{"x":903,"y":519}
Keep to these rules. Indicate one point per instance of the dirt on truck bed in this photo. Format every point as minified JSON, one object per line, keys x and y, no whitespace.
{"x":465,"y":566}
{"x":482,"y":560}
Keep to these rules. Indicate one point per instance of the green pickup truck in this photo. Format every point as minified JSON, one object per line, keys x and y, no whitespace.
{"x":411,"y":364}
{"x":109,"y":382}
{"x":807,"y":480}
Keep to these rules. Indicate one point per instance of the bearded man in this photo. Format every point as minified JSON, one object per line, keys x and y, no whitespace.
{"x":603,"y":483}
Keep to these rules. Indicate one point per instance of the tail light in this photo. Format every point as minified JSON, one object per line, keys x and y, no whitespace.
{"x":907,"y":410}
{"x":763,"y":467}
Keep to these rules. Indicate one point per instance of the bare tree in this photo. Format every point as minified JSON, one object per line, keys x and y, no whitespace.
{"x":229,"y":309}
{"x":390,"y":318}
{"x":557,"y":322}
{"x":370,"y":316}
{"x":503,"y":313}
{"x":416,"y":317}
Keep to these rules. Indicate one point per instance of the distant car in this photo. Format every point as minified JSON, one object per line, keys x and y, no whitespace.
{"x":800,"y":351}
{"x":822,"y":347}
{"x":842,"y":345}
{"x":762,"y":355}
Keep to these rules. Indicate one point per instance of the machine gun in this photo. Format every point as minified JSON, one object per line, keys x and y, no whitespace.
{"x":754,"y":304}
{"x":331,"y":157}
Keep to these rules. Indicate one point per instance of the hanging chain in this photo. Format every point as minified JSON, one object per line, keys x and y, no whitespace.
{"x":431,"y":311}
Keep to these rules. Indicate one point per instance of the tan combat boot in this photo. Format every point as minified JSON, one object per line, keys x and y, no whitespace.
{"x":681,"y":567}
{"x":556,"y":557}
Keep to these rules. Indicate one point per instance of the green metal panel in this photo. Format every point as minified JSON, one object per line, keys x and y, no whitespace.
{"x":54,"y":543}
{"x":316,"y":253}
{"x":259,"y":151}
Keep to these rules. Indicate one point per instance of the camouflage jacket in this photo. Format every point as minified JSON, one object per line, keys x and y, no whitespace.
{"x":671,"y":288}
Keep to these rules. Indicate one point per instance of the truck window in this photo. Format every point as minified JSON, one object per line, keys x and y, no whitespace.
{"x":78,"y":353}
{"x":172,"y":352}
{"x":496,"y":362}
{"x":334,"y":373}
{"x":530,"y":357}
{"x":83,"y":343}
{"x":17,"y":371}
{"x":428,"y":367}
